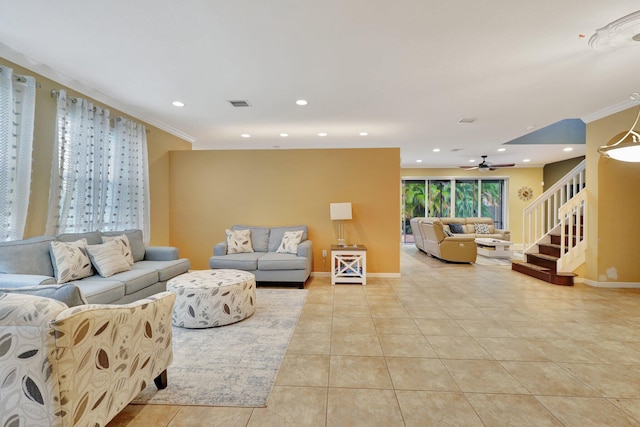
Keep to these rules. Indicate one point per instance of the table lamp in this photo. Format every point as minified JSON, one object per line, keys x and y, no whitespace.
{"x":340,"y":212}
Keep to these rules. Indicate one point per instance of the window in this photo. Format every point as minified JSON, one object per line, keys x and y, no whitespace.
{"x":453,"y":197}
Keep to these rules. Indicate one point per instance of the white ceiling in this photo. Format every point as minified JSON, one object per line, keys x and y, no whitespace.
{"x":405,"y":71}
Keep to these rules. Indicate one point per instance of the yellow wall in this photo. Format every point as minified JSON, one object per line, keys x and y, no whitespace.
{"x":159,"y":143}
{"x":553,"y":172}
{"x":517,"y":178}
{"x":613,"y":230}
{"x":213,"y":190}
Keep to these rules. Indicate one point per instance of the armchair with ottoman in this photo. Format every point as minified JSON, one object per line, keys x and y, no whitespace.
{"x":273,"y":254}
{"x":68,"y":366}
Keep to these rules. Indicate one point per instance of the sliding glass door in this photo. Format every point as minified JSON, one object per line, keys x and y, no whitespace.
{"x":452,"y":197}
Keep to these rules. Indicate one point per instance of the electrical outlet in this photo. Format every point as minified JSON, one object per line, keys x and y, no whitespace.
{"x":324,"y":253}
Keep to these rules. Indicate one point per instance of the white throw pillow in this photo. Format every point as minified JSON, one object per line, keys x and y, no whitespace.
{"x":70,"y":260}
{"x":290,"y":242}
{"x":123,"y":241}
{"x":482,"y":228}
{"x":239,"y":241}
{"x":108,"y":259}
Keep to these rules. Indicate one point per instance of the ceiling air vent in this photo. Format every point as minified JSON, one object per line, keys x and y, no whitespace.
{"x":240,"y":103}
{"x":466,"y":120}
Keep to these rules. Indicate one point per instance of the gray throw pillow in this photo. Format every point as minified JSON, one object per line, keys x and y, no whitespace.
{"x":456,"y":228}
{"x":67,"y":293}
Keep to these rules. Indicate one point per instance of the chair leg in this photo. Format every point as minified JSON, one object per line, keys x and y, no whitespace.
{"x":161,"y":380}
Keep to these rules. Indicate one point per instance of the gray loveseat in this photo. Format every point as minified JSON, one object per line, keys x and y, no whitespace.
{"x":264,"y":262}
{"x":27,"y":263}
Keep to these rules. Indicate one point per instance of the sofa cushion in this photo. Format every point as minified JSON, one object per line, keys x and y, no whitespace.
{"x":166,"y":269}
{"x":281,"y":261}
{"x":290,"y":242}
{"x":66,"y":293}
{"x":125,"y":247}
{"x":70,"y":260}
{"x":259,"y":236}
{"x":137,"y":279}
{"x":93,"y":237}
{"x":98,"y":290}
{"x":108,"y":258}
{"x":456,"y":228}
{"x":246,"y":261}
{"x":277,"y":233}
{"x":135,"y":240}
{"x":29,"y":256}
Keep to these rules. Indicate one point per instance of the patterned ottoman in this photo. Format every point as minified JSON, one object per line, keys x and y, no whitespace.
{"x":209,"y":298}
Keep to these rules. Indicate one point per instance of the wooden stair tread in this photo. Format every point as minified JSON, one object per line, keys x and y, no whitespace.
{"x":531,"y":266}
{"x":544,"y":256}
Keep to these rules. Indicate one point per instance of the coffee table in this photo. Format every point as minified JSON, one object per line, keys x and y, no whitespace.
{"x":494,"y":248}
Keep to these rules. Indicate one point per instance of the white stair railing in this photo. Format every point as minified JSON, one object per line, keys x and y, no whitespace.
{"x":543,"y":214}
{"x":573,"y":242}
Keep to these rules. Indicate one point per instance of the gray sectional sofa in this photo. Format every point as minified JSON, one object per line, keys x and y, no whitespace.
{"x":265,"y":262}
{"x":27,"y":263}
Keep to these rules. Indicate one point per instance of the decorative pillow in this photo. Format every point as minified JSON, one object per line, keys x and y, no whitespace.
{"x":70,"y":260}
{"x":238,"y":241}
{"x":447,"y":232}
{"x":482,"y":228}
{"x":108,"y":259}
{"x":456,"y":228}
{"x":123,"y":241}
{"x":290,"y":242}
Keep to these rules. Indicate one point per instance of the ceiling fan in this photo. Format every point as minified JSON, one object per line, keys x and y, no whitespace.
{"x":488,"y":166}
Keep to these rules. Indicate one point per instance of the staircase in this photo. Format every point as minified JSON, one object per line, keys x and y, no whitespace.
{"x":553,"y":231}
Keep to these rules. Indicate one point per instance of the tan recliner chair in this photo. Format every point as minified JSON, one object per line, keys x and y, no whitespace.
{"x":62,"y":366}
{"x":436,"y":242}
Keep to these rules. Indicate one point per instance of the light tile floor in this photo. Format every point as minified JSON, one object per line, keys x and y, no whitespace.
{"x":464,"y":345}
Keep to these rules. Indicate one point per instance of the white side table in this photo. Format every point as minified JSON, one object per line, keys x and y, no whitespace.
{"x":349,"y":264}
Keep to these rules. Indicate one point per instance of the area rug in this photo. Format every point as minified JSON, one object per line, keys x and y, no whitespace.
{"x":483,"y":260}
{"x":234,"y":365}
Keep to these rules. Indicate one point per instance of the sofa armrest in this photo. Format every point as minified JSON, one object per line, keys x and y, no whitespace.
{"x":8,"y":280}
{"x":220,"y":249}
{"x":506,"y":234}
{"x":305,"y":249}
{"x":110,"y":352}
{"x":161,"y":253}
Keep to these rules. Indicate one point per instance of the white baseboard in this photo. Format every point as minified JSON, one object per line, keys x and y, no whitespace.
{"x":626,"y":285}
{"x":384,"y":275}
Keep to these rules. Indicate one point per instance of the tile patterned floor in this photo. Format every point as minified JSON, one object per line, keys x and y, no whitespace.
{"x":464,"y":345}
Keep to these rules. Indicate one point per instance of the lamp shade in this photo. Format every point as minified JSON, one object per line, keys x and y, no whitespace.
{"x":340,"y":211}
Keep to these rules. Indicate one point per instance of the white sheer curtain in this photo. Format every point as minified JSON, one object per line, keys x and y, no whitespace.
{"x":100,"y":178}
{"x":80,"y":167}
{"x":17,"y":108}
{"x":128,"y":192}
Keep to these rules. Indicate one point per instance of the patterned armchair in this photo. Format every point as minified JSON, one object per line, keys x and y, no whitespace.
{"x":63,"y":366}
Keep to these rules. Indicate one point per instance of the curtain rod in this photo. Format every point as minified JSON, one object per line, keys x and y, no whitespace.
{"x":20,"y":78}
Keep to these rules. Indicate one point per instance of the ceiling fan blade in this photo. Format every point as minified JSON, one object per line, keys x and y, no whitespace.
{"x":504,"y":165}
{"x":469,"y":168}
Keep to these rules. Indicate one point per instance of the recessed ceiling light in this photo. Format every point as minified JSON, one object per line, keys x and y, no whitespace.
{"x":567,"y":149}
{"x":466,"y":120}
{"x":472,"y":161}
{"x":245,"y":135}
{"x":530,"y":127}
{"x":363,"y":134}
{"x":502,"y":149}
{"x":526,"y":160}
{"x":322,"y":134}
{"x":177,"y":104}
{"x":436,"y":150}
{"x":301,"y":102}
{"x":284,"y":135}
{"x":418,"y":161}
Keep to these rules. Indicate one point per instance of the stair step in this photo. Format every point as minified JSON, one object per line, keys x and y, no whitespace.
{"x":543,"y":260}
{"x":542,"y":273}
{"x":550,"y":249}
